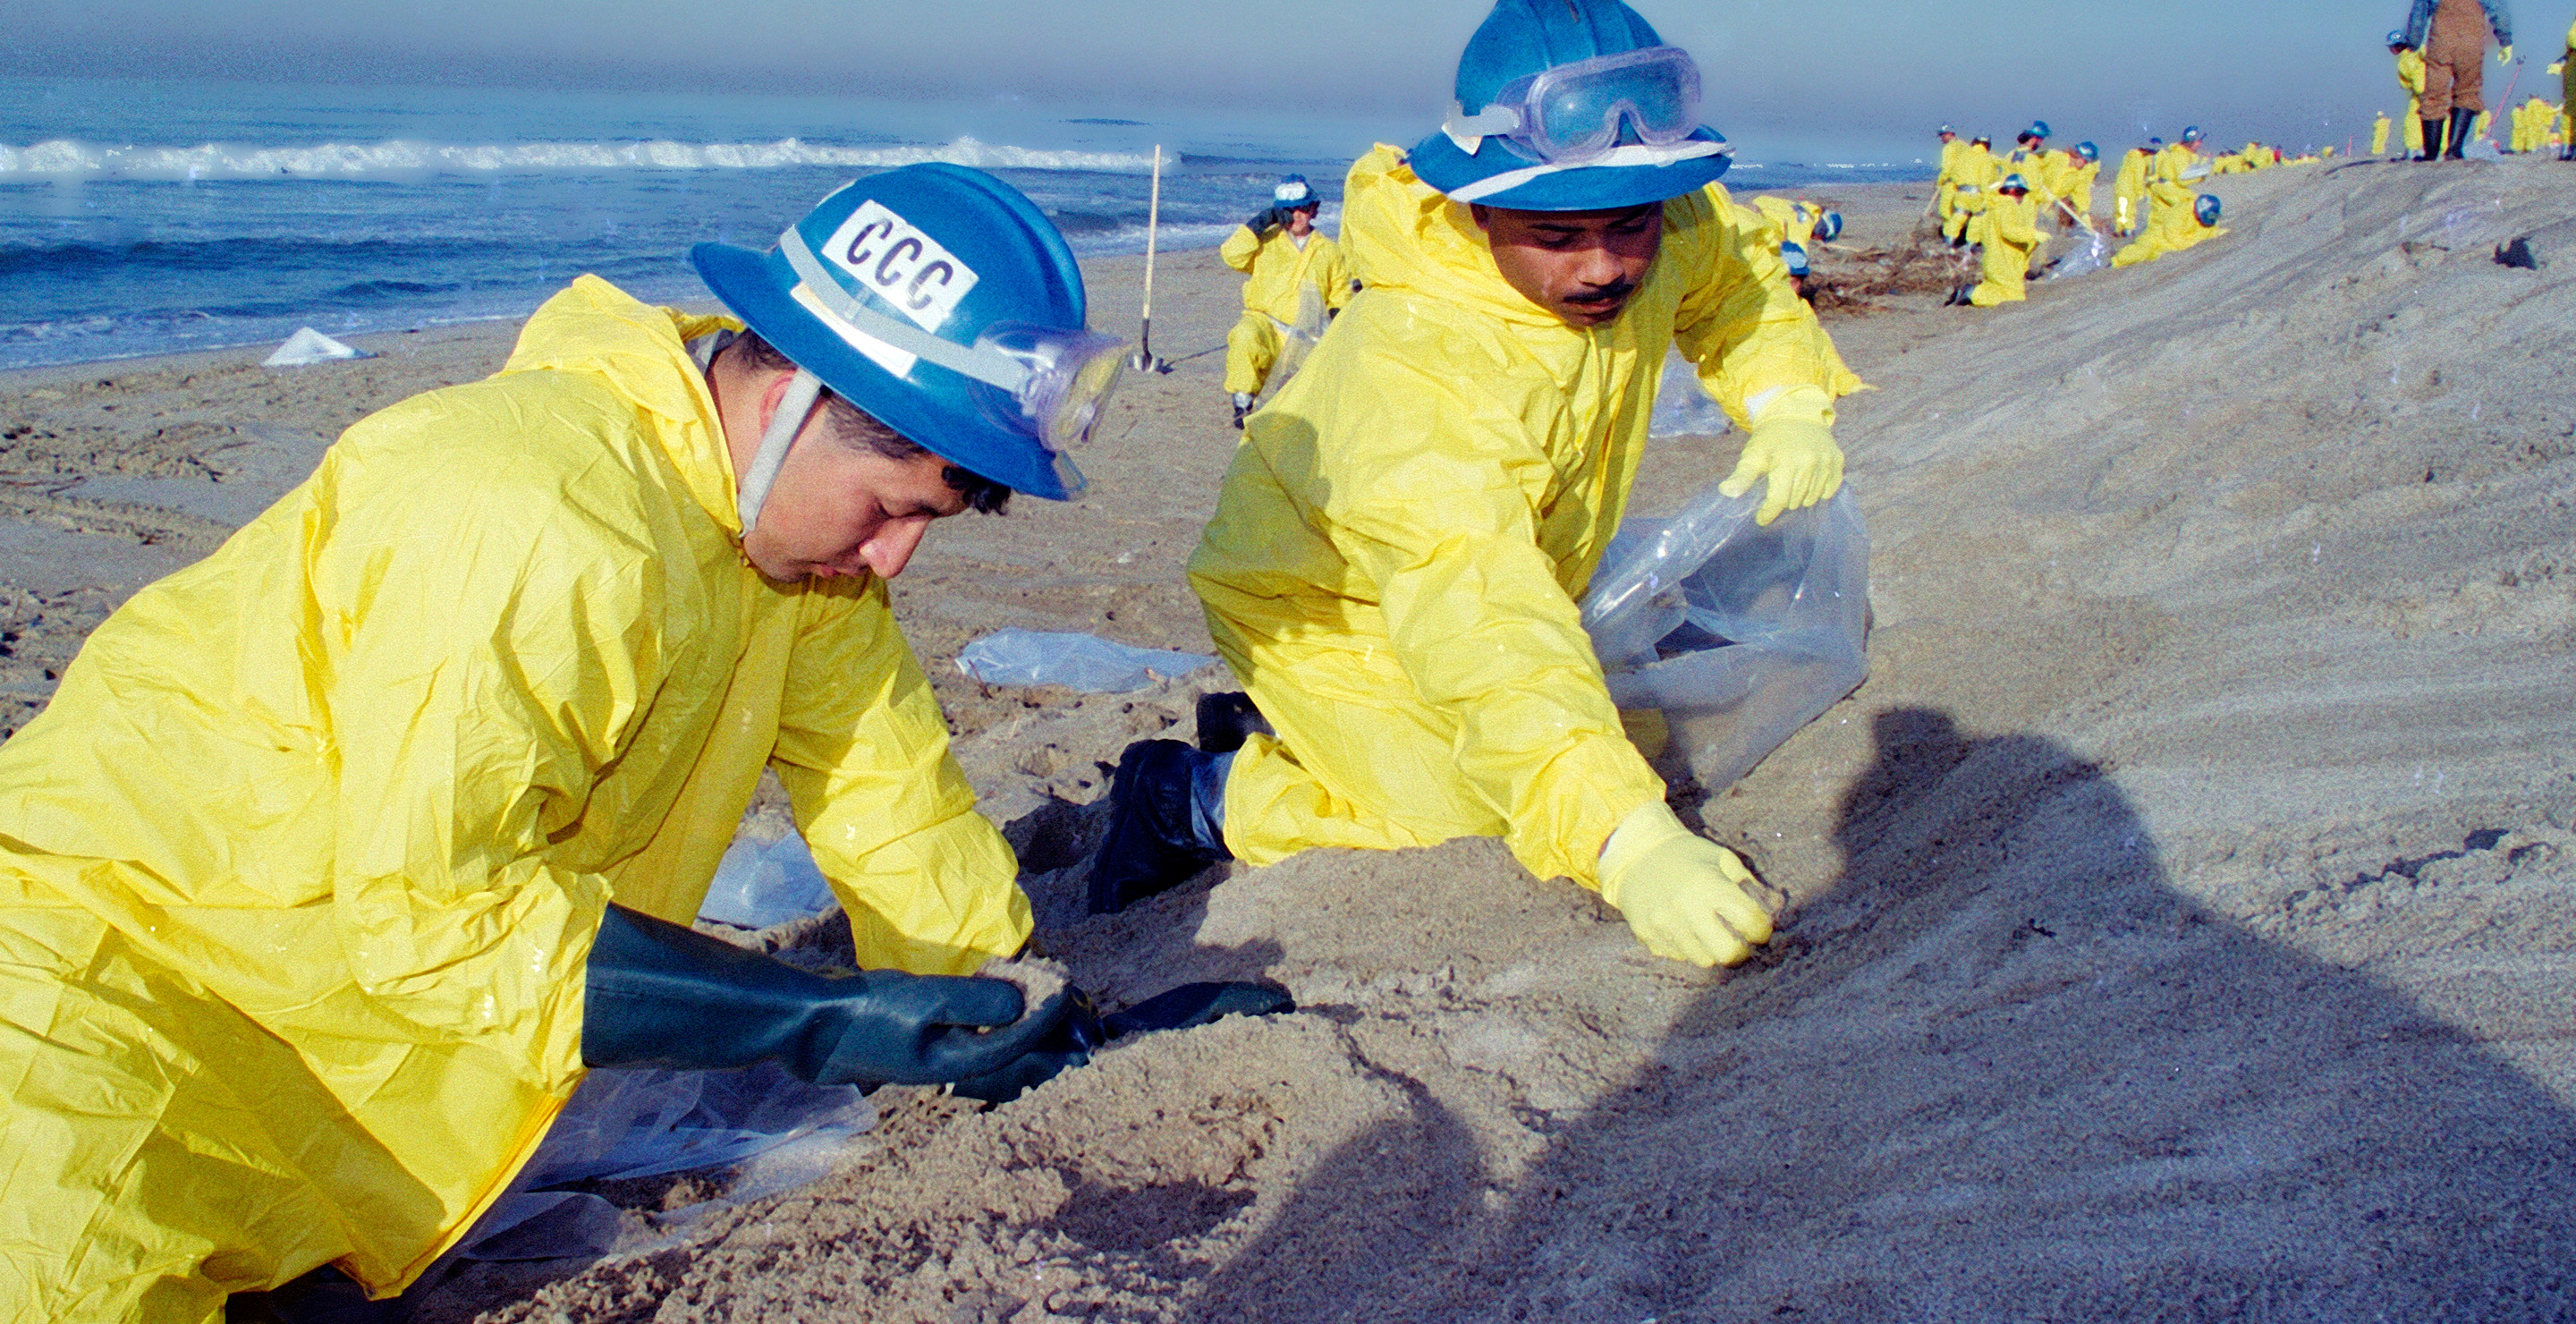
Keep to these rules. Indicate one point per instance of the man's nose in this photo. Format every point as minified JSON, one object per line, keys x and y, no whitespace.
{"x":893,"y":545}
{"x":1595,"y":264}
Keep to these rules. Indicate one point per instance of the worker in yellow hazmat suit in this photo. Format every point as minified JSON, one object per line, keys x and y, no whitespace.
{"x":2182,"y":161}
{"x":2410,"y":80}
{"x":1945,"y":180}
{"x":2379,"y":135}
{"x":1296,"y":275}
{"x":2083,"y":166}
{"x":2129,"y":187}
{"x":1801,"y":223}
{"x":2181,"y":221}
{"x":1395,"y":556}
{"x":1978,"y":170}
{"x":307,"y":871}
{"x":2008,"y":233}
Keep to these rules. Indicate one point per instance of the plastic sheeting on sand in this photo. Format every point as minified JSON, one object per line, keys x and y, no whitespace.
{"x":1738,"y":633}
{"x":1076,"y":661}
{"x":758,"y":884}
{"x":310,"y":346}
{"x":1682,"y":409}
{"x":774,"y":1131}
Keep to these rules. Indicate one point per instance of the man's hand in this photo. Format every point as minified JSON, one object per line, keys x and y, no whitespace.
{"x":1797,"y":455}
{"x":1683,"y":895}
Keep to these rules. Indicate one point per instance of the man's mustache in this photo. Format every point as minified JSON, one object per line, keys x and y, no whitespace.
{"x":1615,"y":292}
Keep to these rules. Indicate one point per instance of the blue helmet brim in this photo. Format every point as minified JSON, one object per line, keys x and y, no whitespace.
{"x":1437,"y":161}
{"x":755,"y":285}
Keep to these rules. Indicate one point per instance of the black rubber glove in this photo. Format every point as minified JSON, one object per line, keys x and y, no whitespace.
{"x":660,"y":994}
{"x":1264,"y":220}
{"x":1082,"y":1031}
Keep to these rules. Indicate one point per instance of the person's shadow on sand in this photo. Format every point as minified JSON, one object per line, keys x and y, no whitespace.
{"x":2003,"y":1071}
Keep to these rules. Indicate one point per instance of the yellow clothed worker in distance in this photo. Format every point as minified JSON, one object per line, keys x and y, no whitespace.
{"x":1979,"y":168}
{"x":1297,"y":278}
{"x":2181,"y":221}
{"x":2410,"y":80}
{"x":2129,"y":187}
{"x":2379,"y":135}
{"x":2008,"y":234}
{"x":339,"y":856}
{"x":1946,"y":180}
{"x":2075,"y":182}
{"x":1394,"y":562}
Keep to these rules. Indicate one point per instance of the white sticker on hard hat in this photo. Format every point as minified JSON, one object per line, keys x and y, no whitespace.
{"x":900,"y":264}
{"x":887,"y":356}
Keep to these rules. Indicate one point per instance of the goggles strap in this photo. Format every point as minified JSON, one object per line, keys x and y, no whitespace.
{"x":1471,"y":131}
{"x":802,"y":390}
{"x":1634,"y":154}
{"x":988,"y":366}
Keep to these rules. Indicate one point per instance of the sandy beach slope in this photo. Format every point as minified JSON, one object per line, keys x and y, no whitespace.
{"x":2180,"y":923}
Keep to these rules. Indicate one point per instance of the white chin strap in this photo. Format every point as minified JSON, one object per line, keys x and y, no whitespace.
{"x":802,"y":389}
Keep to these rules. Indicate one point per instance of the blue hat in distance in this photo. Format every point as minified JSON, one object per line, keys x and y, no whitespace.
{"x":2192,"y":134}
{"x":2396,"y":38}
{"x":1293,"y":191}
{"x":1571,"y":105}
{"x":1829,"y":227}
{"x":1796,"y":257}
{"x":2206,"y":207}
{"x":2012,"y":184}
{"x":2155,"y":142}
{"x":2038,"y":128}
{"x":2088,"y":151}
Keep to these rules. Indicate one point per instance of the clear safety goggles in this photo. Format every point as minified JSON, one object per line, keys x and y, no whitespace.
{"x":1047,"y":383}
{"x":1573,"y":112}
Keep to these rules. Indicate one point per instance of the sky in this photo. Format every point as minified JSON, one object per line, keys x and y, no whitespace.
{"x":1834,"y":76}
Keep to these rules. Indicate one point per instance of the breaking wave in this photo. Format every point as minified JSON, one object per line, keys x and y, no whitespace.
{"x":400,"y":158}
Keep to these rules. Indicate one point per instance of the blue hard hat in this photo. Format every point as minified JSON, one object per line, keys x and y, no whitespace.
{"x":1796,"y":257}
{"x":2012,"y":182}
{"x":1524,"y":38}
{"x":2192,"y":134}
{"x":2039,"y":128}
{"x":1945,"y":129}
{"x":2206,"y":207}
{"x":1829,"y":226}
{"x":1294,"y":191}
{"x":952,"y":251}
{"x":2396,"y":38}
{"x":2088,"y":151}
{"x":2155,"y":142}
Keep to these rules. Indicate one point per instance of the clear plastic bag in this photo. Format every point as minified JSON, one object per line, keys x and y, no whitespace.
{"x":758,"y":885}
{"x":776,"y":1132}
{"x":1739,"y":634}
{"x":1682,"y":409}
{"x":2091,"y":257}
{"x":1076,"y":661}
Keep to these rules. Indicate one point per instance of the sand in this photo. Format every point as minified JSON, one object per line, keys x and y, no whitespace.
{"x":2179,"y":923}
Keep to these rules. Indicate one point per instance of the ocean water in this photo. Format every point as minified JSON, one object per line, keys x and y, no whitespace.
{"x":149,"y":217}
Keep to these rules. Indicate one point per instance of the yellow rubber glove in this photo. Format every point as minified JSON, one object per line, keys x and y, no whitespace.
{"x":1682,"y":894}
{"x":2505,"y":55}
{"x":1791,"y":444}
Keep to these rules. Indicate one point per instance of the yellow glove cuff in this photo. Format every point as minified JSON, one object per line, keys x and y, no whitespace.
{"x":1645,"y":828}
{"x":1805,"y":403}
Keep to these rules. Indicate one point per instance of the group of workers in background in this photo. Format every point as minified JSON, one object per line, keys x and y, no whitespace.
{"x":2441,"y":66}
{"x":1999,"y":204}
{"x":338,"y":858}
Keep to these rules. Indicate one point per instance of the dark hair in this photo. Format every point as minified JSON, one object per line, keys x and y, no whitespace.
{"x":856,"y":427}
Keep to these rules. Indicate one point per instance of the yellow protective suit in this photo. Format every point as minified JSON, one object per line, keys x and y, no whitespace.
{"x":1396,"y":552}
{"x":301,"y":866}
{"x":1945,"y":183}
{"x":2075,"y":184}
{"x":2379,"y":135}
{"x":1795,"y":221}
{"x":2009,"y":233}
{"x":2129,"y":189}
{"x":2410,"y":76}
{"x":2173,"y":229}
{"x":1978,"y":169}
{"x":1281,"y":270}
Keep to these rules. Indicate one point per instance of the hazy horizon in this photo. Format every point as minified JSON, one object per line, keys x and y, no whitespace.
{"x":1815,"y":78}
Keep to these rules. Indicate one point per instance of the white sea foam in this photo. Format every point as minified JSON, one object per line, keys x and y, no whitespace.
{"x":63,"y":157}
